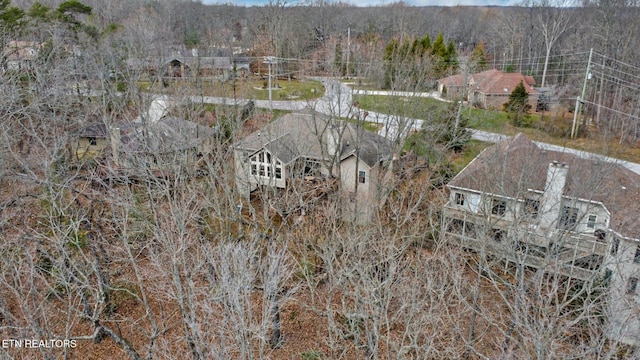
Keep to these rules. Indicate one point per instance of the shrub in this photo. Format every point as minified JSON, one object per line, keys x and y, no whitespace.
{"x":312,"y":355}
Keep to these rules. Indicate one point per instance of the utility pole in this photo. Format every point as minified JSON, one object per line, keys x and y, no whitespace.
{"x":270,"y":60}
{"x":348,"y":49}
{"x":580,"y":100}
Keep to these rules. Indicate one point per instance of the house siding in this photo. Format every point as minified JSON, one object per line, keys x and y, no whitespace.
{"x":84,"y":150}
{"x":567,"y":234}
{"x":622,"y":311}
{"x":360,"y":198}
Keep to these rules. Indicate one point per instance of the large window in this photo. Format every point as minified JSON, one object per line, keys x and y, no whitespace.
{"x":531,"y":208}
{"x":615,"y":246}
{"x":312,"y":168}
{"x":455,"y":226}
{"x":568,"y":217}
{"x":262,"y":165}
{"x":636,"y":258}
{"x":499,"y":207}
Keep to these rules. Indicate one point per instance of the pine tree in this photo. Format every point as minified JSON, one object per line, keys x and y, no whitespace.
{"x":518,"y":105}
{"x":479,"y":58}
{"x":451,"y":58}
{"x":438,"y":48}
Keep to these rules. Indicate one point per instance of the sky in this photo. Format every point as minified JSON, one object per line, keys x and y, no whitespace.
{"x":378,"y":2}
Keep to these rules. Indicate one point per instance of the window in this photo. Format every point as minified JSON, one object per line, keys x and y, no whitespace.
{"x":459,"y":199}
{"x":614,"y":246}
{"x":591,"y":221}
{"x":311,"y":168}
{"x":632,"y":285}
{"x":498,"y":235}
{"x":568,"y":217}
{"x":262,"y":165}
{"x":531,"y":208}
{"x":470,"y":229}
{"x":455,"y":226}
{"x":636,"y":258}
{"x":93,"y":141}
{"x":362,"y":177}
{"x":499,"y":207}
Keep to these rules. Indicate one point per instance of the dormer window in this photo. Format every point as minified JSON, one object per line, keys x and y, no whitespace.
{"x":459,"y":199}
{"x":591,"y":221}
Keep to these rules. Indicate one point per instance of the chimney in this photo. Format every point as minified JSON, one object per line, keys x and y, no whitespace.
{"x":114,"y":137}
{"x":333,"y":140}
{"x":552,"y":196}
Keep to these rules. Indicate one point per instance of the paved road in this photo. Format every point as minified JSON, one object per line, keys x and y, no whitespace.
{"x":338,"y":101}
{"x":495,"y":138}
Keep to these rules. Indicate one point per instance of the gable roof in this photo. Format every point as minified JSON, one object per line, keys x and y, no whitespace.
{"x":166,"y":135}
{"x":517,"y":165}
{"x":210,"y":62}
{"x":453,"y":80}
{"x":304,"y":134}
{"x":496,"y":82}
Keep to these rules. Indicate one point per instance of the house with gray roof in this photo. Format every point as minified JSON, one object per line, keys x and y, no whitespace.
{"x":184,"y":66}
{"x":163,"y":146}
{"x":307,"y":145}
{"x":555,"y":211}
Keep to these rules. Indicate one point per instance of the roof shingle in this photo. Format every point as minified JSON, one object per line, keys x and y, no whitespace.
{"x":517,"y":165}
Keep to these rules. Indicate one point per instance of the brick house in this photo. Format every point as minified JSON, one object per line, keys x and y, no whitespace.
{"x":488,"y":89}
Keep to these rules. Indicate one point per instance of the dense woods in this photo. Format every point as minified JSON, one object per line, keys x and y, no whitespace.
{"x":184,"y":265}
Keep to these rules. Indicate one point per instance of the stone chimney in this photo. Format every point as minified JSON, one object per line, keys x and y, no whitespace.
{"x":115,"y":140}
{"x":551,"y":201}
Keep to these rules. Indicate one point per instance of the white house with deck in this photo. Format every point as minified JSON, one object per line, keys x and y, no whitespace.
{"x":558,"y":212}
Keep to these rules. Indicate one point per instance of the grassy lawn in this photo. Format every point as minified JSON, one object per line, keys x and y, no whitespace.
{"x":254,"y":88}
{"x":413,"y":107}
{"x":549,"y":128}
{"x":473,"y":149}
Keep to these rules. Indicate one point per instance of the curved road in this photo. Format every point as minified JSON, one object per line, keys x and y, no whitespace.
{"x":338,"y":101}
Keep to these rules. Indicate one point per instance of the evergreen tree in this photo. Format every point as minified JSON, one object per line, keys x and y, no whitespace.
{"x":478,"y":58}
{"x":518,"y":105}
{"x":425,"y":43}
{"x":438,"y":48}
{"x":38,"y":11}
{"x":451,"y":58}
{"x":11,"y":18}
